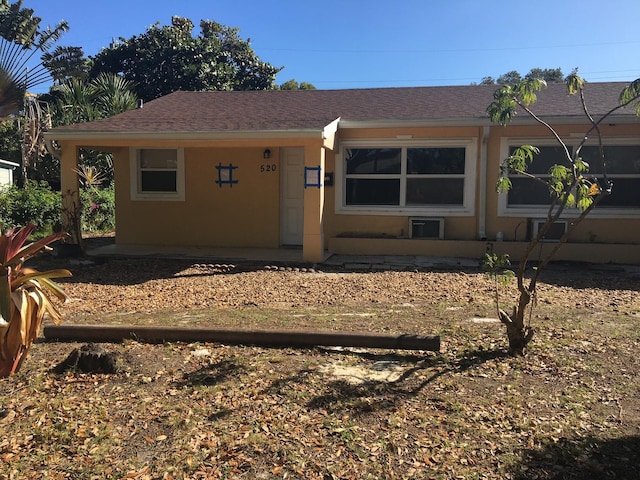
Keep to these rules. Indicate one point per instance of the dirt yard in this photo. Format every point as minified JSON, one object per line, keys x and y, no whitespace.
{"x":570,"y":409}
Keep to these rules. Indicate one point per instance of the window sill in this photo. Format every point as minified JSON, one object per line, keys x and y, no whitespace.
{"x":158,"y":197}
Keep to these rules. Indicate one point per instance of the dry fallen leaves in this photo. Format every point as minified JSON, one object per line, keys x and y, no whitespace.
{"x":213,"y":411}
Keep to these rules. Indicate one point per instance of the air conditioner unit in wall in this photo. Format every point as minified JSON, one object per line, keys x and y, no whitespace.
{"x":426,"y":227}
{"x":557,"y":230}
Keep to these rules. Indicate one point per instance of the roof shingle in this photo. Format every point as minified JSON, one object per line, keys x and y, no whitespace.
{"x":282,"y":110}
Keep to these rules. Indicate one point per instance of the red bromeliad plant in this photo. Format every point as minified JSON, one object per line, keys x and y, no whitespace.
{"x":24,"y":300}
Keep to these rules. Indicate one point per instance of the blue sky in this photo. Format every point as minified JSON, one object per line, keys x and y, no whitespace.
{"x":383,"y":43}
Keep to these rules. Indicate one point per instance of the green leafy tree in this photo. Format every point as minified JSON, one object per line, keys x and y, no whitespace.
{"x":549,"y":75}
{"x":165,"y":59}
{"x":65,"y":63}
{"x":509,"y":78}
{"x":569,"y":184}
{"x":294,"y":85}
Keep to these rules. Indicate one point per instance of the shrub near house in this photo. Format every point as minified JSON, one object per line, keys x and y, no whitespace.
{"x":35,"y":203}
{"x":38,"y":204}
{"x":98,"y":206}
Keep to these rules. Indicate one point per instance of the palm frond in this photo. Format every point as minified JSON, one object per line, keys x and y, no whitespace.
{"x":21,"y":38}
{"x":65,"y":63}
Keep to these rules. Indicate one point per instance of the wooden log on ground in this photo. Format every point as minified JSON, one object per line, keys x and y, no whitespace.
{"x":281,"y":338}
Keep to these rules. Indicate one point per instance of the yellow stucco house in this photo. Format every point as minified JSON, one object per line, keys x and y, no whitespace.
{"x":393,"y":171}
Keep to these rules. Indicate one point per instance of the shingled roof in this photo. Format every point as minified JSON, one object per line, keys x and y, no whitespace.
{"x":302,"y":110}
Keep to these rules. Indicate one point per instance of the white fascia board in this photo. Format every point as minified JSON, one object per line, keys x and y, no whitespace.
{"x":94,"y":136}
{"x":7,"y":163}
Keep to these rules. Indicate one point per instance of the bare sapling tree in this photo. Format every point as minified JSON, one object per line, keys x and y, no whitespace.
{"x":569,"y":183}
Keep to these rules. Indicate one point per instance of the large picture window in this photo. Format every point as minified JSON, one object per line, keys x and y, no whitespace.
{"x":435,"y":176}
{"x":528,"y":192}
{"x":623,"y":169}
{"x":622,"y":166}
{"x":157,"y":173}
{"x":400,"y":179}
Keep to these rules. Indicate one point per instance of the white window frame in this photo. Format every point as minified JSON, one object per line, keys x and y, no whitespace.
{"x":504,"y":210}
{"x":465,"y":210}
{"x":134,"y":164}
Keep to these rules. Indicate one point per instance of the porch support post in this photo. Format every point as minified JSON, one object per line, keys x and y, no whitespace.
{"x":70,"y":188}
{"x":313,"y":235}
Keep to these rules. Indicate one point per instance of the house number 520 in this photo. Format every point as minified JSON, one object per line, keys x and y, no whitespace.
{"x":268,"y":167}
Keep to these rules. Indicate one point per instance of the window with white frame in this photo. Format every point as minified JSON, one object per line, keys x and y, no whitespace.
{"x":407,"y":178}
{"x":157,"y":174}
{"x":622,"y":156}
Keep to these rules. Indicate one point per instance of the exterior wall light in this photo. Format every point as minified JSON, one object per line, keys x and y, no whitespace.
{"x":267,"y":154}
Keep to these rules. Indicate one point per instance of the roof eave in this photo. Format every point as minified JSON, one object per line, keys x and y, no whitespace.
{"x":574,"y":120}
{"x":432,"y":122}
{"x":479,"y":121}
{"x":312,"y":133}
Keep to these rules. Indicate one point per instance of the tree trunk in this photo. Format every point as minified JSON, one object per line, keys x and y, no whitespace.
{"x":89,"y":358}
{"x":518,"y":333}
{"x":519,"y":338}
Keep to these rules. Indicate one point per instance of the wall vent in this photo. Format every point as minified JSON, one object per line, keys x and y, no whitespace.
{"x":557,"y":230}
{"x":426,"y":227}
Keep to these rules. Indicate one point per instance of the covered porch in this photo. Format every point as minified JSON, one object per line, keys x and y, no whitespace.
{"x":241,"y":216}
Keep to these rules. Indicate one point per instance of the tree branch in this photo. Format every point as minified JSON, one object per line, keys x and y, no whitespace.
{"x":547,"y":126}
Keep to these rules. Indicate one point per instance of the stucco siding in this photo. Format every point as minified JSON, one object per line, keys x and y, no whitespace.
{"x":245,"y":214}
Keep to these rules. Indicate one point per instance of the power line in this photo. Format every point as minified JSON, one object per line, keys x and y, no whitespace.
{"x":587,"y":75}
{"x":445,"y":50}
